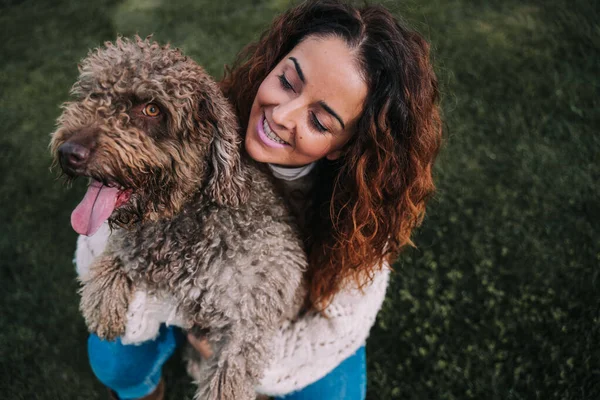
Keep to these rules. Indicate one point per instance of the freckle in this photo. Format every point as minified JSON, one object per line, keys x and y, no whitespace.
{"x":300,"y":137}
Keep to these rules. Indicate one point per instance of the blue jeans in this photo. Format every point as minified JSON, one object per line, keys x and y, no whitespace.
{"x":134,"y":371}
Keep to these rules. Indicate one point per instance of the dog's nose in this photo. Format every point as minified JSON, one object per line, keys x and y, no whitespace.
{"x":73,"y":156}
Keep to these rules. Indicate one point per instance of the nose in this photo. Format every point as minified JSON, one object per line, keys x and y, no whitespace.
{"x":285,"y":115}
{"x":73,"y":156}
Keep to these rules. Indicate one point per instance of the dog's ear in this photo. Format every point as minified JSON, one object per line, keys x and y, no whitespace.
{"x":213,"y":125}
{"x":228,"y":180}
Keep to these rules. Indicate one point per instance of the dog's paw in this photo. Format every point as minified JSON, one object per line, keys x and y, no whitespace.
{"x":105,"y":296}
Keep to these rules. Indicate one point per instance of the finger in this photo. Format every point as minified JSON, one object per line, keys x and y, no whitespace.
{"x":201,"y":345}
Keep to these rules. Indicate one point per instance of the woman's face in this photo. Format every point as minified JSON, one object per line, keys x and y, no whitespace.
{"x":307,"y":107}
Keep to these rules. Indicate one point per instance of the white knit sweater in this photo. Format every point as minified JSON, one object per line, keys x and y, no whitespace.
{"x":305,"y":350}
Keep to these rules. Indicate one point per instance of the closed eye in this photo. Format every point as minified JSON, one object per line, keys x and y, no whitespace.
{"x":285,"y":83}
{"x":316,"y":123}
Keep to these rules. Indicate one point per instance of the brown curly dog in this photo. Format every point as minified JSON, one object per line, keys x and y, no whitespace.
{"x":195,"y":220}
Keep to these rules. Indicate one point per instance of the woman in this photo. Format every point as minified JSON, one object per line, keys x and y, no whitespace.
{"x":342,"y":104}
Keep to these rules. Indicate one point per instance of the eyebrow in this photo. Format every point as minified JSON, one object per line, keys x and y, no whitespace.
{"x":330,"y":111}
{"x":321,"y":103}
{"x":298,"y":69}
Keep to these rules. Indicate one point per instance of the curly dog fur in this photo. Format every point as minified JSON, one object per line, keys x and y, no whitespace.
{"x":195,"y":219}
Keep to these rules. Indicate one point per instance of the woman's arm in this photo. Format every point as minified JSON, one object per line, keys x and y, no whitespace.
{"x":309,"y":348}
{"x":304,"y":350}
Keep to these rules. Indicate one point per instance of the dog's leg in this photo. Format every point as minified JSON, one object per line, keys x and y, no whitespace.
{"x":105,"y":295}
{"x":224,"y":378}
{"x":235,"y":369}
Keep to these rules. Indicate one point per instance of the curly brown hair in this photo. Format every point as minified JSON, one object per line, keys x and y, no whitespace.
{"x":366,"y":203}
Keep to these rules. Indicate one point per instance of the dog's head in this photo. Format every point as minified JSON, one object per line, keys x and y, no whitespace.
{"x":150,"y":129}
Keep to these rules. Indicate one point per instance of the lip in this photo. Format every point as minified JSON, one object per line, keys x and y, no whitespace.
{"x":123,"y":196}
{"x":263,"y":136}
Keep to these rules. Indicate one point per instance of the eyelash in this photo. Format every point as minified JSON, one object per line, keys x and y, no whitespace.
{"x":316,"y":123}
{"x":285,"y":83}
{"x":313,"y":118}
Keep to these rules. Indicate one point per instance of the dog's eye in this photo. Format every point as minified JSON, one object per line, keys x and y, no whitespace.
{"x":151,"y":110}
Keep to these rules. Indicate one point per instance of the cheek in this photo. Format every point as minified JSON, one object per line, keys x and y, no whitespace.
{"x":260,"y":95}
{"x":314,"y":146}
{"x":269,"y":91}
{"x":319,"y":145}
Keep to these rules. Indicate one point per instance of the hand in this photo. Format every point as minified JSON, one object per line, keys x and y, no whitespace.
{"x":201,"y":345}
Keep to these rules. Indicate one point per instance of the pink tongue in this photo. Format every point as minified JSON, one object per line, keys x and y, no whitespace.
{"x":95,"y":208}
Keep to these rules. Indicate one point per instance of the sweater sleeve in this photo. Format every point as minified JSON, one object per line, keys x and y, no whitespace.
{"x":308,"y":349}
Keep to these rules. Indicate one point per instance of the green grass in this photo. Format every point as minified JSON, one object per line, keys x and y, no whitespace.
{"x":501,"y":298}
